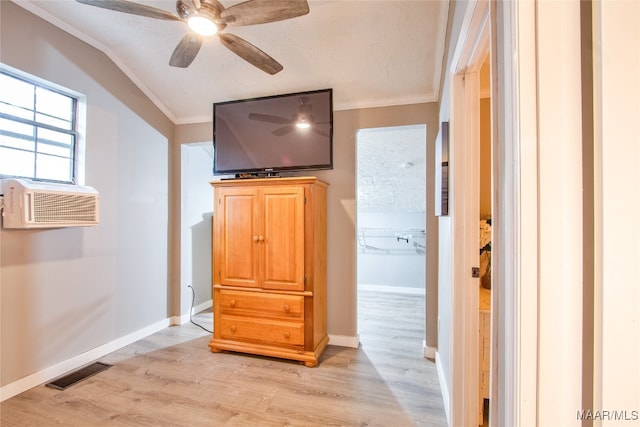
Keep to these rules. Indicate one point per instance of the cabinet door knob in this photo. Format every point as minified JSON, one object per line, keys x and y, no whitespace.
{"x":255,"y":238}
{"x":261,"y":238}
{"x":286,"y":308}
{"x":232,"y":303}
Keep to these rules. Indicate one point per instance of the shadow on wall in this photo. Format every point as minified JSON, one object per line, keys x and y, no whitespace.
{"x":201,"y":234}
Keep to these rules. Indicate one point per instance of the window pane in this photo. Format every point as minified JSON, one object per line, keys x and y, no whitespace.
{"x":54,"y":137}
{"x":37,"y":133}
{"x":54,"y":104}
{"x":54,"y":150}
{"x":19,"y":143}
{"x":10,"y":130}
{"x":53,"y":121}
{"x":20,"y":112}
{"x":16,"y":163}
{"x":53,"y":168}
{"x":16,"y":92}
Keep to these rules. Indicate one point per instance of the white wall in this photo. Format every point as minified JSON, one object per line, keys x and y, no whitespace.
{"x":67,"y":292}
{"x":197,"y":212}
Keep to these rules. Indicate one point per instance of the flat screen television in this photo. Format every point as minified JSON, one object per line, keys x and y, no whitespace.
{"x":272,"y":134}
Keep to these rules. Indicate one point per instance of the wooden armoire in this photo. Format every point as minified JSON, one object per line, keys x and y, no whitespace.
{"x":269,"y":267}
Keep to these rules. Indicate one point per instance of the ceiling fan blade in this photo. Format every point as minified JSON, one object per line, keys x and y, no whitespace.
{"x":132,"y":8}
{"x":186,"y":51}
{"x":250,"y":53}
{"x":215,"y":4}
{"x":283,"y":130}
{"x":262,"y":11}
{"x":196,"y":3}
{"x":320,"y":132}
{"x":269,"y":119}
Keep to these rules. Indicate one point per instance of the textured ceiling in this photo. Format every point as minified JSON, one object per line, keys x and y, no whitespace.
{"x":371,"y":52}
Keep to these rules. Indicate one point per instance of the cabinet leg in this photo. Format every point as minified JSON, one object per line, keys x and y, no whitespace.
{"x":215,"y":350}
{"x":311,"y":364}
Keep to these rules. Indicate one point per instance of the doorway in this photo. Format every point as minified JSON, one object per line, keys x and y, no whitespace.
{"x":391,"y":180}
{"x":195,"y":234}
{"x":472,"y":48}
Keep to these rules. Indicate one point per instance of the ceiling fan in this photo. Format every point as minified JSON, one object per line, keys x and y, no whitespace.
{"x":303,"y":119}
{"x":209,"y":17}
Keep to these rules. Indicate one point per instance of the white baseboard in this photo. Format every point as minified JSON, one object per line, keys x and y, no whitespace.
{"x":396,"y":289}
{"x":185,"y":318}
{"x":427,"y":351}
{"x":344,"y":341}
{"x":444,"y":389}
{"x":78,"y":361}
{"x":202,"y":307}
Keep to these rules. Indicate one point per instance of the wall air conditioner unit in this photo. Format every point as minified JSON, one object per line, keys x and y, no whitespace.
{"x":31,"y":204}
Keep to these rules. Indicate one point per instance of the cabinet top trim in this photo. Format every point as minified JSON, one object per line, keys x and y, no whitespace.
{"x":270,"y":181}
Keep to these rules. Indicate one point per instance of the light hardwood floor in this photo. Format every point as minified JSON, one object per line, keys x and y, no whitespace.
{"x":172,"y":379}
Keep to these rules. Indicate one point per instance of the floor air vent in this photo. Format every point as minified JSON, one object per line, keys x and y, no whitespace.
{"x":75,"y":377}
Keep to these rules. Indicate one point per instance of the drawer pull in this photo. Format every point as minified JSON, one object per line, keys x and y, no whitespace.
{"x":287,"y":335}
{"x":233,"y":329}
{"x":232,"y":303}
{"x":286,"y":308}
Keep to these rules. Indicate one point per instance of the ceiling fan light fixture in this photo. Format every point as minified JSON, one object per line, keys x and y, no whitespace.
{"x":202,"y":24}
{"x":303,"y":125}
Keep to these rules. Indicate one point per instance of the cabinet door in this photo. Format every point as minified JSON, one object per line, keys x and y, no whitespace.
{"x":236,"y":245}
{"x":283,"y":225}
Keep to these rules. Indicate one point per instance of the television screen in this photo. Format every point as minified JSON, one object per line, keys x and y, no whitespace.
{"x":266,"y":135}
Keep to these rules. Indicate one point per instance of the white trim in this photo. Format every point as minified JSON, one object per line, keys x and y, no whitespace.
{"x":514,"y":385}
{"x":411,"y":290}
{"x":78,"y":361}
{"x":385,"y":102}
{"x":470,"y":51}
{"x":202,"y":307}
{"x":178,"y":320}
{"x":186,"y":318}
{"x":427,"y":351}
{"x":443,"y":388}
{"x":473,"y":43}
{"x":344,"y":341}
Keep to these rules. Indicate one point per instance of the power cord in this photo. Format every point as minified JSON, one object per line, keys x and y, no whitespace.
{"x":193,"y":300}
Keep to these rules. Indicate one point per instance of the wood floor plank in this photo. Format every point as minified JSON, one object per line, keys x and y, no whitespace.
{"x":172,"y":379}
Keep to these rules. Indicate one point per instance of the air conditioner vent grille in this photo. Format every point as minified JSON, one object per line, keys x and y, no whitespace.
{"x":56,"y":208}
{"x":35,"y":204}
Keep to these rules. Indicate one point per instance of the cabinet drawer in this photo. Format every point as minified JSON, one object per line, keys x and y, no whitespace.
{"x":271,"y":331}
{"x":258,"y":304}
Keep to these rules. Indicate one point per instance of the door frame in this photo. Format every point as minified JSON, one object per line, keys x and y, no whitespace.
{"x":536,"y":358}
{"x":471,"y":50}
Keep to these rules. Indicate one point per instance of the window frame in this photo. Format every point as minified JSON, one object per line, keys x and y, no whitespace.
{"x":73,"y":161}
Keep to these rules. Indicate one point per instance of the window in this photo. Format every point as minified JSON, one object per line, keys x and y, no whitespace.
{"x":37,"y":130}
